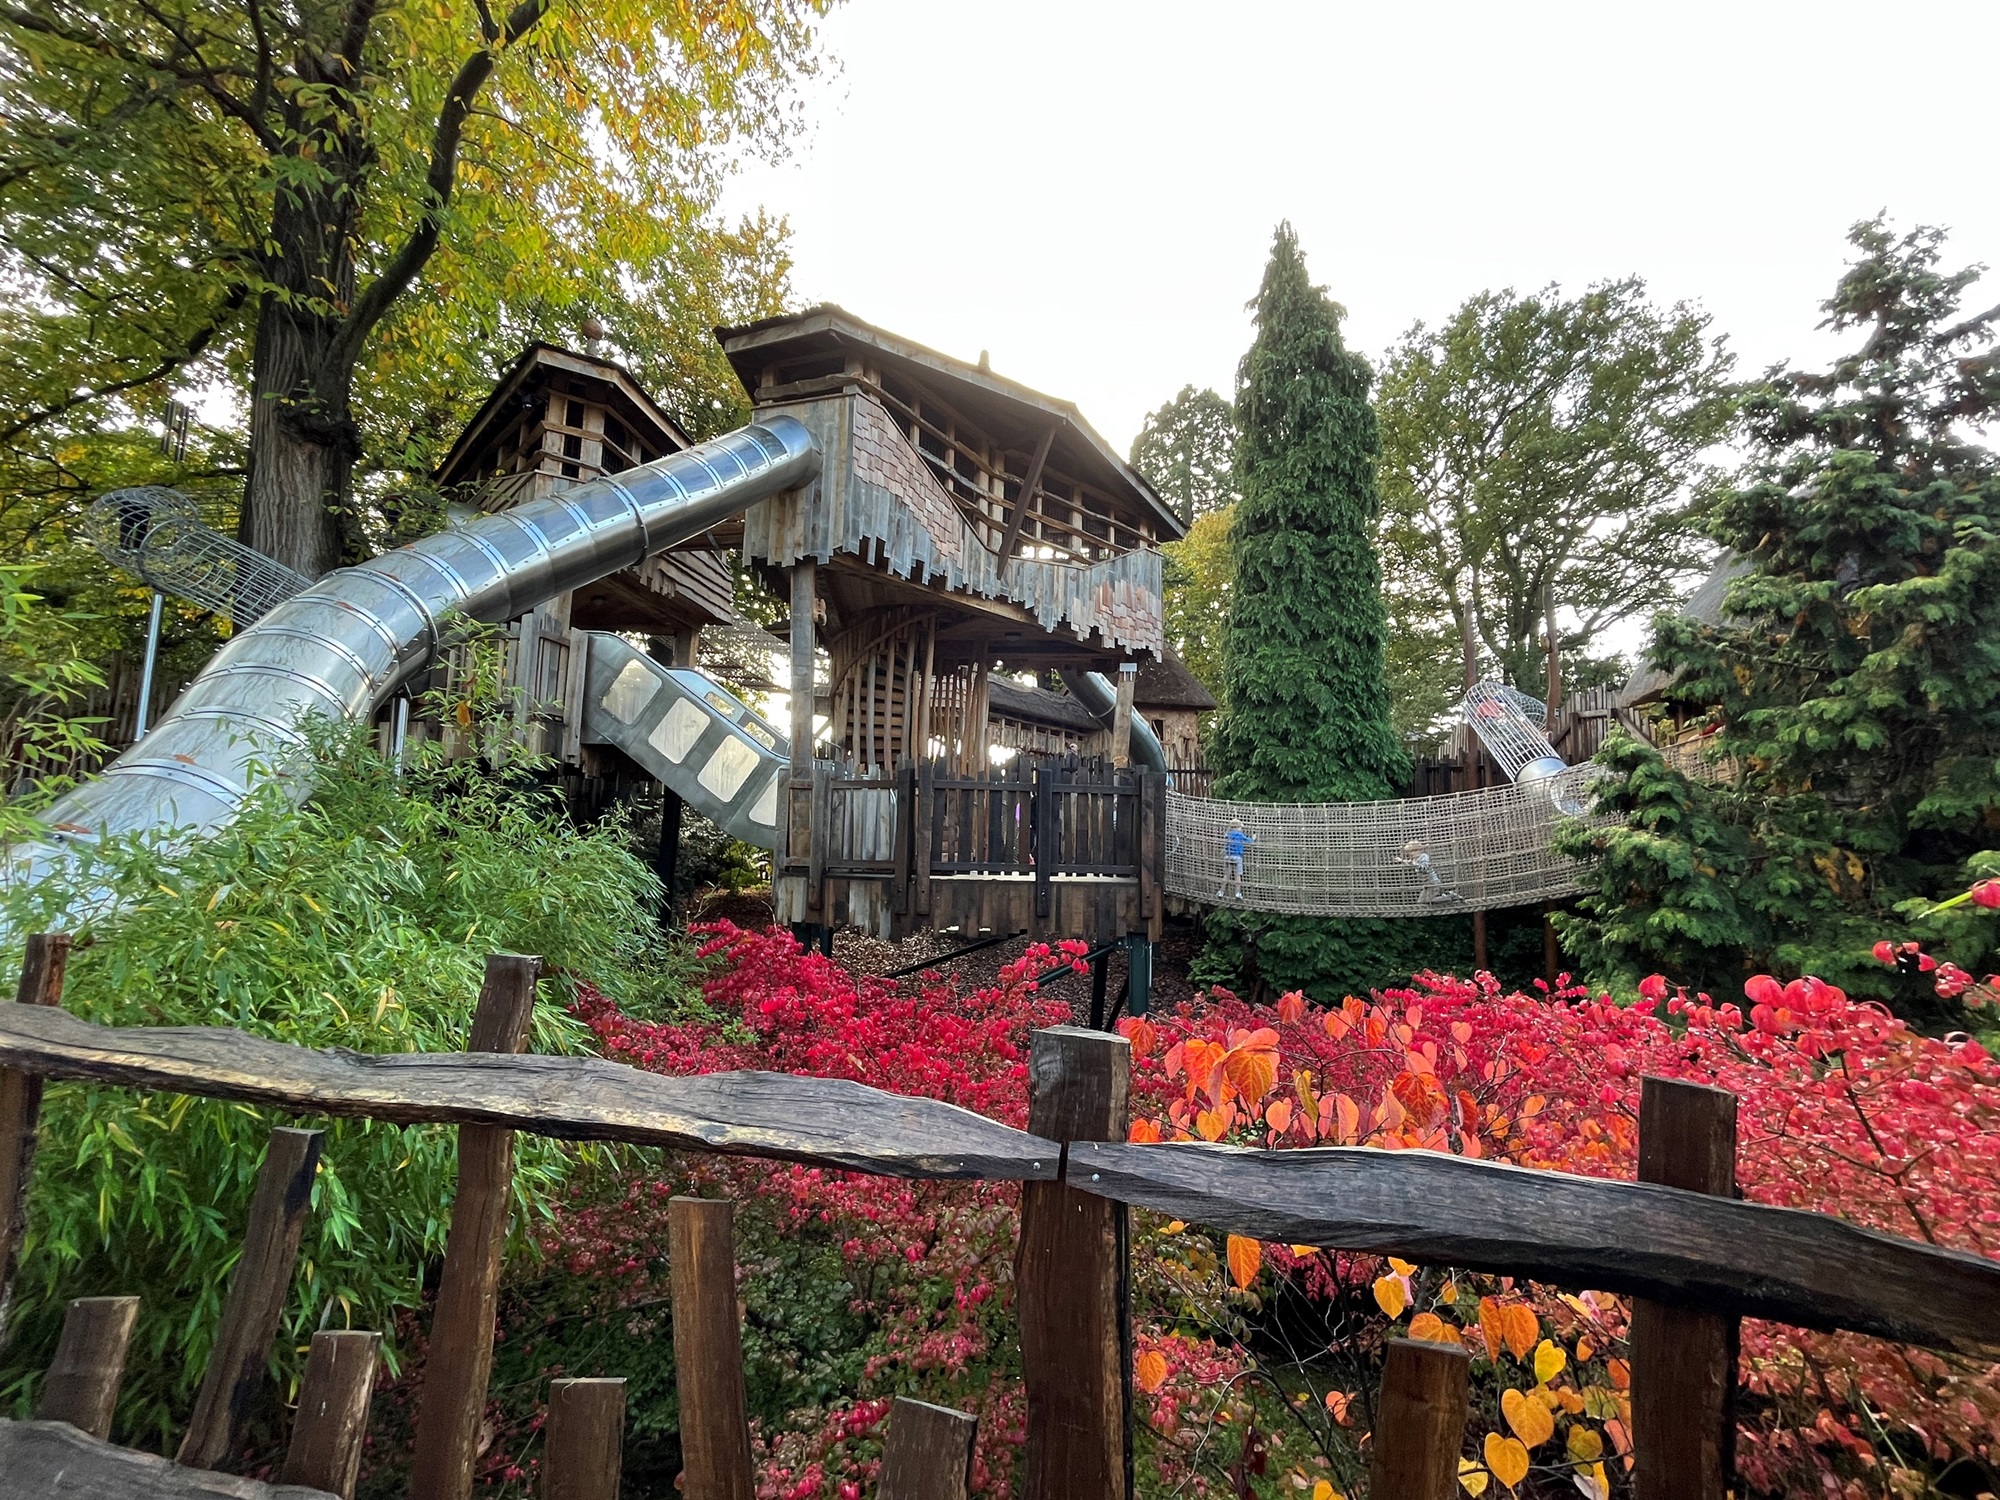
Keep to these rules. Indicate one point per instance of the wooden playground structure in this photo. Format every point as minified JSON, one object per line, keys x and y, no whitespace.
{"x":1693,"y":1256}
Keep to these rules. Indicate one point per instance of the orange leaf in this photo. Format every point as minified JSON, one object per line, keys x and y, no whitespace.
{"x":1150,"y":1371}
{"x":1337,"y":1402}
{"x":1530,"y":1419}
{"x":1521,"y":1329}
{"x":1492,"y":1326}
{"x":1507,"y":1459}
{"x":1429,"y":1328}
{"x":1246,"y":1257}
{"x":1391,"y":1295}
{"x":1348,"y":1114}
{"x":1141,"y":1033}
{"x":1620,"y":1373}
{"x":1251,"y":1064}
{"x":1461,"y":1032}
{"x":1302,"y":1086}
{"x":1291,"y":1006}
{"x":1144,"y":1133}
{"x":1211,"y":1124}
{"x":1336,"y":1024}
{"x":1279,"y":1116}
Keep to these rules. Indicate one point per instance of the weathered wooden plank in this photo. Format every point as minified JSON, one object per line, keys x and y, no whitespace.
{"x":54,"y":1461}
{"x":1684,"y":1360}
{"x":819,"y":1121}
{"x":331,"y":1426}
{"x":460,"y":1361}
{"x":1714,"y":1253}
{"x":42,"y":970}
{"x":258,"y":1291}
{"x":1420,"y":1421}
{"x":708,"y":1351}
{"x":928,"y":1452}
{"x":1069,"y":1276}
{"x":81,"y":1387}
{"x":586,"y":1440}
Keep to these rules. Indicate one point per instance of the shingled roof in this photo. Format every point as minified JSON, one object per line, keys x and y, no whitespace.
{"x":1168,"y":683}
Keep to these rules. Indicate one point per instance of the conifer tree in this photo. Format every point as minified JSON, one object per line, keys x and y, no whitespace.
{"x":1309,"y":714}
{"x":1854,"y":683}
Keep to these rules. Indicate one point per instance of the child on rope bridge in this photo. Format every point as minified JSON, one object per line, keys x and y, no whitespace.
{"x":1233,"y":844}
{"x":1417,"y":855}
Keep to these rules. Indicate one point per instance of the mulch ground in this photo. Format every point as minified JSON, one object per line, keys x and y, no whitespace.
{"x":861,"y":954}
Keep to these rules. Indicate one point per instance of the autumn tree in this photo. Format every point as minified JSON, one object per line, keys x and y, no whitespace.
{"x":1853,"y":685}
{"x":300,"y":201}
{"x":1308,"y":709}
{"x":1542,"y":444}
{"x":1198,"y":570}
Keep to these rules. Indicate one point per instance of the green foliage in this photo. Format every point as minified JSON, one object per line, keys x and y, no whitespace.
{"x":1540,"y":443}
{"x":1308,"y":708}
{"x":360,"y":920}
{"x":1198,"y":570}
{"x":1186,"y":450}
{"x":44,"y":742}
{"x":1855,"y":679}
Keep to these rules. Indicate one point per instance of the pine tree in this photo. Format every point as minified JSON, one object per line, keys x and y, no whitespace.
{"x":1854,"y":683}
{"x":1309,"y":714}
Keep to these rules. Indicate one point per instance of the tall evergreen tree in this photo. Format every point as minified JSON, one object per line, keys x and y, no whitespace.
{"x":1854,"y":684}
{"x":1309,"y":715}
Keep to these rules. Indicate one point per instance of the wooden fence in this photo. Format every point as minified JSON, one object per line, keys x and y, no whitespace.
{"x":1694,"y":1257}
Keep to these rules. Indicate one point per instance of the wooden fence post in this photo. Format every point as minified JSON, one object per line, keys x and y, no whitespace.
{"x":1420,"y":1422}
{"x":928,"y":1452}
{"x":1070,"y":1275}
{"x":461,"y":1347}
{"x":81,"y":1387}
{"x":332,"y":1420}
{"x":1684,"y":1362}
{"x":42,"y":970}
{"x":258,"y":1291}
{"x":708,"y":1350}
{"x":585,"y":1455}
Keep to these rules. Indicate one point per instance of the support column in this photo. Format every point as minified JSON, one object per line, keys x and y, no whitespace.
{"x":798,"y":898}
{"x":1121,"y":714}
{"x":667,"y":858}
{"x":1138,"y":974}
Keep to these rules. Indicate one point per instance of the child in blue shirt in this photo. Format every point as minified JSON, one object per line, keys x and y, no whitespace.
{"x":1233,"y":844}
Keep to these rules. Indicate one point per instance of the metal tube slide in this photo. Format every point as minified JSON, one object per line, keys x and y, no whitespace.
{"x":349,"y":642}
{"x":1100,"y":700}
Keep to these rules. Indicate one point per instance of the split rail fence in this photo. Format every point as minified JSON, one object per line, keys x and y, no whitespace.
{"x":1694,"y":1258}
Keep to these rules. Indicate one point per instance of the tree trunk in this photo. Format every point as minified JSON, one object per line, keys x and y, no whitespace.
{"x":301,"y":465}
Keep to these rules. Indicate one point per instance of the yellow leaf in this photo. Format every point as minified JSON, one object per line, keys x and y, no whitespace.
{"x":1507,"y":1459}
{"x":1429,"y":1328}
{"x":1150,"y":1371}
{"x":1245,"y":1257}
{"x":1177,"y":1227}
{"x":1302,"y":1251}
{"x":1325,"y":1491}
{"x":1472,"y":1478}
{"x":1401,"y":1267}
{"x":1520,"y":1328}
{"x":1594,"y":1484}
{"x":1492,"y":1326}
{"x":1530,"y":1419}
{"x":1450,"y":1293}
{"x":1585,"y":1446}
{"x":1391,"y":1295}
{"x":1549,"y":1361}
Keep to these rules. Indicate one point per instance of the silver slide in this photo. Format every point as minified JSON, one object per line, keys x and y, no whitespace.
{"x":689,"y":732}
{"x":344,"y":646}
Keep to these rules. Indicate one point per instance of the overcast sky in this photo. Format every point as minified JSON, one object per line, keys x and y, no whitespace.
{"x":1087,"y":189}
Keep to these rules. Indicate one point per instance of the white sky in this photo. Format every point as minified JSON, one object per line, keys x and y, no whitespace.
{"x":1087,"y":189}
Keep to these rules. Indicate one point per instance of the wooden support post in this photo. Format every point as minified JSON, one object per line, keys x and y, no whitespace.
{"x":928,"y":1452}
{"x":1121,"y":714}
{"x":1472,"y":783}
{"x":332,"y":1422}
{"x":586,"y":1440}
{"x":1684,"y":1362}
{"x":1030,"y":482}
{"x":1138,"y":974}
{"x":667,"y":858}
{"x":1551,"y":949}
{"x":1420,"y":1422}
{"x":900,"y":847}
{"x":1100,"y":973}
{"x":798,"y":838}
{"x":81,"y":1387}
{"x":461,"y":1346}
{"x":1046,"y":841}
{"x":42,"y":970}
{"x":1070,"y":1277}
{"x":240,"y":1362}
{"x":708,"y":1351}
{"x":1152,"y":851}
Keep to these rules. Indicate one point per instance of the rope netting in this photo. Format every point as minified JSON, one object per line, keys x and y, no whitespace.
{"x":1413,"y":857}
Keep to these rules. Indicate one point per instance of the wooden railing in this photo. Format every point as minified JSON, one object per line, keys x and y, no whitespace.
{"x":1695,"y":1257}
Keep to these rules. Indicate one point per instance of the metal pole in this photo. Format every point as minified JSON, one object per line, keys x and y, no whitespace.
{"x":145,"y":713}
{"x":399,"y":735}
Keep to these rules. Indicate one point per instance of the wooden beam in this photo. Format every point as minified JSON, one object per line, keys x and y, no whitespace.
{"x":42,"y":970}
{"x":1684,"y":1360}
{"x":708,"y":1351}
{"x":258,"y":1291}
{"x":1420,"y":1421}
{"x":1069,"y":1274}
{"x":928,"y":1452}
{"x":1029,"y":483}
{"x":81,"y":1387}
{"x":453,"y":1402}
{"x":54,"y":1461}
{"x":331,"y":1427}
{"x":584,"y":1458}
{"x":1121,"y":714}
{"x":819,"y":1121}
{"x":1716,"y":1254}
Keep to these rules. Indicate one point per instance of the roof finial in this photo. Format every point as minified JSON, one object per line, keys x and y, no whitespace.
{"x":985,"y":362}
{"x":593,"y":332}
